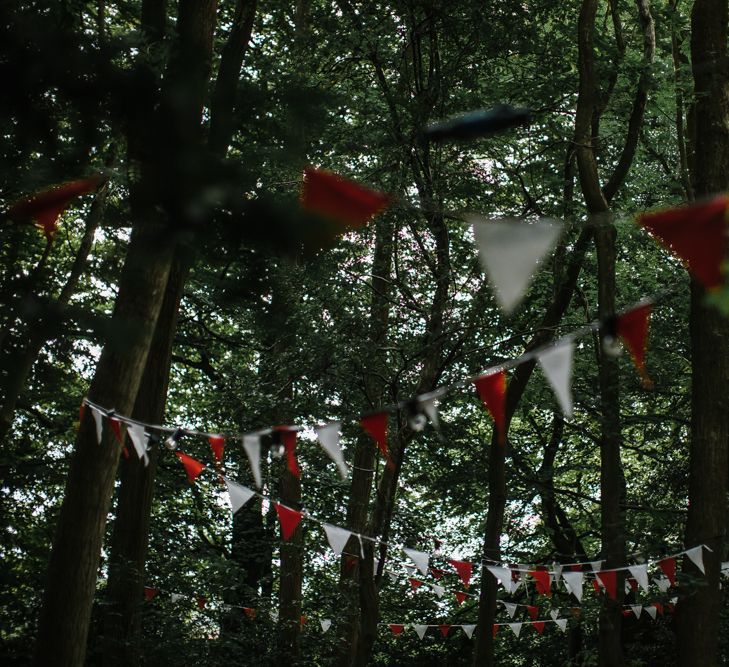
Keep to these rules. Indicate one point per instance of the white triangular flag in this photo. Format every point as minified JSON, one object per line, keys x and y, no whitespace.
{"x":697,"y":558}
{"x":328,"y":437}
{"x":510,"y":252}
{"x":596,"y":565}
{"x":637,"y":608}
{"x":410,"y":569}
{"x":99,"y":420}
{"x":640,"y":574}
{"x":139,"y":439}
{"x":252,"y":445}
{"x":393,"y":576}
{"x":338,"y":537}
{"x":557,"y":570}
{"x":438,"y":590}
{"x":239,"y":494}
{"x":326,"y":623}
{"x":554,"y":613}
{"x":176,"y":597}
{"x":663,"y":583}
{"x":510,"y":608}
{"x":468,"y":629}
{"x":420,"y":630}
{"x":515,"y":627}
{"x":503,"y":574}
{"x":574,"y":580}
{"x":420,"y":558}
{"x":562,"y":623}
{"x":652,"y":611}
{"x":556,"y":363}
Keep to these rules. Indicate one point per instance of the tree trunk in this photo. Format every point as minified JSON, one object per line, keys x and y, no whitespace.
{"x":698,"y":614}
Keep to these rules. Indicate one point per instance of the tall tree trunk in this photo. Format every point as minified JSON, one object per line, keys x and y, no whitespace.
{"x":698,"y":614}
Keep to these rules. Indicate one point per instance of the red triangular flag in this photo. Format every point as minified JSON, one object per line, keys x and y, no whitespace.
{"x":302,"y":620}
{"x":543,"y":582}
{"x":217,"y":444}
{"x":444,"y":629}
{"x":46,"y":206}
{"x":533,"y":611}
{"x":201,"y":601}
{"x":659,"y":607}
{"x":415,"y":583}
{"x":596,"y":585}
{"x":396,"y":628}
{"x":494,"y":630}
{"x":332,"y":196}
{"x":150,"y":593}
{"x":492,"y":390}
{"x":610,"y":581}
{"x":81,"y":413}
{"x":289,"y":519}
{"x":464,"y":569}
{"x":668,"y":565}
{"x":632,"y":327}
{"x":193,"y":468}
{"x":288,"y":437}
{"x":250,"y":612}
{"x":436,"y":572}
{"x":376,"y":425}
{"x":697,"y":234}
{"x":539,"y":626}
{"x":115,"y":426}
{"x":627,"y":612}
{"x":461,"y":596}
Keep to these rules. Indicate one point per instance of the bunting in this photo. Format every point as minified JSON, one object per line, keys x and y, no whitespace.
{"x":376,"y":426}
{"x":288,"y":518}
{"x":252,"y":447}
{"x":492,"y":391}
{"x":328,"y":436}
{"x":632,"y":328}
{"x":239,"y":495}
{"x":556,"y":363}
{"x":217,"y":445}
{"x":464,"y":570}
{"x":193,"y":468}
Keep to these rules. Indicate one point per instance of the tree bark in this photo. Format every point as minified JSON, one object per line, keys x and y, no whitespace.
{"x":697,"y":617}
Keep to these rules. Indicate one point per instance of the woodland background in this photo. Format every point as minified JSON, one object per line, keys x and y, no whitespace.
{"x":202,"y":115}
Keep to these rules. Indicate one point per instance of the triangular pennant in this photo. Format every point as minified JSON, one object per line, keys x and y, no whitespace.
{"x":554,"y":613}
{"x":46,"y":206}
{"x":697,"y":557}
{"x":338,"y":537}
{"x":557,"y":570}
{"x":444,"y":629}
{"x":289,"y":519}
{"x":116,"y":429}
{"x":325,"y":623}
{"x":596,"y":584}
{"x":201,"y":601}
{"x":333,"y":196}
{"x":539,"y":626}
{"x":410,"y":568}
{"x":696,"y":234}
{"x":420,"y":630}
{"x":393,"y":576}
{"x":217,"y":444}
{"x":637,"y":608}
{"x":574,"y":581}
{"x":510,"y":252}
{"x":640,"y":573}
{"x":468,"y":629}
{"x":632,"y":327}
{"x":396,"y":628}
{"x":609,"y":579}
{"x":376,"y":426}
{"x":492,"y":391}
{"x":464,"y":570}
{"x":436,"y":572}
{"x":176,"y":597}
{"x":659,"y":608}
{"x":99,"y":422}
{"x":515,"y":628}
{"x":239,"y":495}
{"x":510,"y":608}
{"x":150,"y":593}
{"x":651,"y":611}
{"x":328,"y":436}
{"x":139,"y":440}
{"x":533,"y":611}
{"x":252,"y":447}
{"x":193,"y":468}
{"x":302,"y":620}
{"x":562,"y":623}
{"x":415,"y":583}
{"x":543,"y":581}
{"x":250,"y":612}
{"x":438,"y":590}
{"x":494,"y":630}
{"x":288,"y":438}
{"x":503,"y":574}
{"x":420,"y":558}
{"x":556,"y":363}
{"x":460,"y":597}
{"x":662,"y":583}
{"x":595,"y":565}
{"x":668,"y":565}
